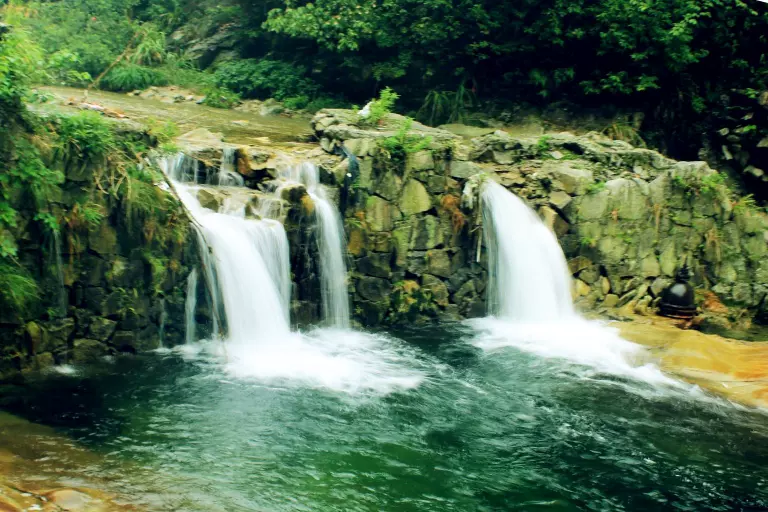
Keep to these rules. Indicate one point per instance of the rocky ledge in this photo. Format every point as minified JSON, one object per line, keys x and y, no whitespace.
{"x":627,"y":219}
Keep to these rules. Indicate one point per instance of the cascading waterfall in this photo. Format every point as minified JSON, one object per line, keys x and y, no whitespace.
{"x":247,"y":268}
{"x":331,"y":246}
{"x":209,"y":273}
{"x":529,"y":296}
{"x":163,"y":320}
{"x":528,"y":275}
{"x":189,"y":307}
{"x":246,"y":255}
{"x":226,"y":176}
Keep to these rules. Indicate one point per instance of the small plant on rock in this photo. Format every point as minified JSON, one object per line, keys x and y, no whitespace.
{"x":404,"y":143}
{"x":377,"y":110}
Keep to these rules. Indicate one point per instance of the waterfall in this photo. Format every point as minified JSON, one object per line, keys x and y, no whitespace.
{"x":210,"y":278}
{"x":227,"y":177}
{"x":163,"y":320}
{"x":331,"y":246}
{"x":528,"y":276}
{"x":190,"y":306}
{"x":62,"y":299}
{"x":529,"y":296}
{"x":246,"y":266}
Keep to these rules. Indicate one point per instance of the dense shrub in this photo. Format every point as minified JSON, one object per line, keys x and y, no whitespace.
{"x":129,"y":77}
{"x":219,"y":97}
{"x":265,"y":79}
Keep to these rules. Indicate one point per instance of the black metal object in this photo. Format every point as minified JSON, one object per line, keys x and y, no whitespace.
{"x":350,"y":178}
{"x":679,"y":300}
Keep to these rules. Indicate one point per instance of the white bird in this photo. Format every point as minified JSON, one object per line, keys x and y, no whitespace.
{"x":366,"y":111}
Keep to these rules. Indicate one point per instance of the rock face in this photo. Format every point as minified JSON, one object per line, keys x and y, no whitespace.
{"x":627,"y":219}
{"x":122,"y":277}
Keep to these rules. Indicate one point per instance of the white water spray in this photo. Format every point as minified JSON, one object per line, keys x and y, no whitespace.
{"x":226,"y":176}
{"x":250,"y":272}
{"x":529,"y":296}
{"x":331,"y":246}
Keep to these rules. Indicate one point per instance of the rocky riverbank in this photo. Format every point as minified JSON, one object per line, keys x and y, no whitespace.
{"x":42,"y":470}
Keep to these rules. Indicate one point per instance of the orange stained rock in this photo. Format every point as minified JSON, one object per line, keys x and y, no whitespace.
{"x":734,"y":369}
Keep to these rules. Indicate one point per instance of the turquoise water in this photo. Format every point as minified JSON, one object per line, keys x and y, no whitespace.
{"x":468,"y":430}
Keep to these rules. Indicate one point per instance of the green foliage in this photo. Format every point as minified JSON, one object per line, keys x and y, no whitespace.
{"x":92,"y":214}
{"x":90,"y":33}
{"x":86,"y":135}
{"x":219,"y":97}
{"x":62,"y":67}
{"x":596,"y":187}
{"x":441,"y":107}
{"x":410,"y":301}
{"x":542,"y":144}
{"x":745,"y":205}
{"x":19,"y":66}
{"x":27,"y":182}
{"x":712,"y":183}
{"x":17,"y":287}
{"x":695,"y":184}
{"x":404,"y":143}
{"x":49,"y":222}
{"x":627,"y":130}
{"x":380,"y":107}
{"x":151,"y":48}
{"x":163,"y":131}
{"x":130,"y":77}
{"x":265,"y":78}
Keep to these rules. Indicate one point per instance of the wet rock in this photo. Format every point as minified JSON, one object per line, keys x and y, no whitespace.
{"x":439,"y":263}
{"x":594,"y":206}
{"x":426,"y":233}
{"x":389,"y":186}
{"x":560,"y":200}
{"x":360,"y":147}
{"x":415,"y":198}
{"x":554,"y":221}
{"x":572,"y":181}
{"x":380,"y":214}
{"x":580,"y":289}
{"x":605,"y":285}
{"x":35,"y":337}
{"x":375,"y":264}
{"x":462,"y":170}
{"x":579,"y":263}
{"x":102,"y":329}
{"x":72,"y":500}
{"x":420,"y":161}
{"x":437,"y":288}
{"x":590,"y":275}
{"x":88,"y":351}
{"x":611,"y":301}
{"x":294,"y":193}
{"x":374,"y":289}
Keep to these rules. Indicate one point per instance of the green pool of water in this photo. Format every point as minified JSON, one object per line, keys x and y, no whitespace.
{"x":478,"y":431}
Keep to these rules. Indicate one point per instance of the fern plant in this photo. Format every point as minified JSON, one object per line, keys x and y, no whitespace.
{"x":404,"y":143}
{"x":380,"y":107}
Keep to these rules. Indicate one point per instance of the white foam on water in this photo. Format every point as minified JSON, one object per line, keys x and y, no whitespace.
{"x":576,"y":340}
{"x":336,"y":359}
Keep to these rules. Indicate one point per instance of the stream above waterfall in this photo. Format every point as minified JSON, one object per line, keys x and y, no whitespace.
{"x":475,"y":430}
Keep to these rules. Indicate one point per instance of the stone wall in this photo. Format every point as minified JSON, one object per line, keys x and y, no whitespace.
{"x":121,"y":276}
{"x":626,"y":218}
